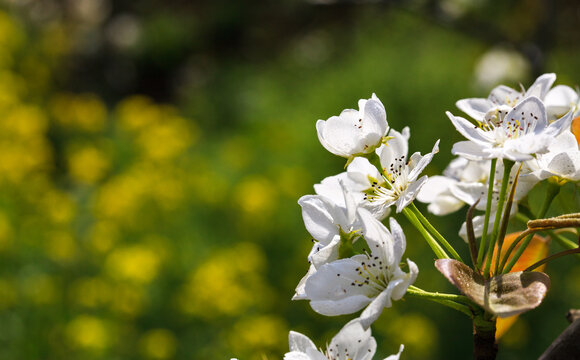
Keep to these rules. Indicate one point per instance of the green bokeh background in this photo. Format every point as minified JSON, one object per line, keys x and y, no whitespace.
{"x":151,"y":157}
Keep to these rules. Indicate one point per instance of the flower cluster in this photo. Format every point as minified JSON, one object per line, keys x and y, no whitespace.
{"x":356,"y":261}
{"x":529,"y":127}
{"x":516,"y":139}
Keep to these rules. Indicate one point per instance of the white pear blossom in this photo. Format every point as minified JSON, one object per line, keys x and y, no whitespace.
{"x":353,"y":342}
{"x":399,"y":182}
{"x":371,"y":280}
{"x":355,"y":132}
{"x":515,"y":134}
{"x":561,"y":161}
{"x":503,"y":96}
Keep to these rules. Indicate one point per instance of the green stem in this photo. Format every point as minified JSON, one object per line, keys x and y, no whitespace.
{"x":434,"y":232}
{"x":483,"y":243}
{"x":437,"y":249}
{"x":551,"y":193}
{"x":457,"y":302}
{"x":507,"y":167}
{"x":505,"y":220}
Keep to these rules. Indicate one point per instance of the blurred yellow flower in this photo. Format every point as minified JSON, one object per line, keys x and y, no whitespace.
{"x":103,"y":236}
{"x":166,"y":138}
{"x":87,"y":163}
{"x":136,"y":112}
{"x":226,"y":283}
{"x":88,"y":332}
{"x":58,"y":206}
{"x":83,"y":112}
{"x":121,"y":197}
{"x":254,"y":337}
{"x":137,"y":263}
{"x":158,"y":344}
{"x":21,"y":158}
{"x":255,"y":196}
{"x":24,"y":121}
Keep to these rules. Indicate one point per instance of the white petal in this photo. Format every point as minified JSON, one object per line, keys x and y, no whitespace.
{"x":396,"y":356}
{"x":541,"y":86}
{"x":444,"y":205}
{"x":472,"y":151}
{"x":531,"y":113}
{"x":359,"y":171}
{"x":407,"y":280}
{"x":321,"y":217}
{"x":467,"y":129}
{"x":300,"y":294}
{"x":560,"y":100}
{"x":520,"y":149}
{"x":399,"y":241}
{"x":475,"y":107}
{"x":395,"y":148}
{"x":299,"y":342}
{"x":375,"y":117}
{"x":566,"y":165}
{"x":372,"y":312}
{"x":295,"y":355}
{"x":343,"y":306}
{"x":377,"y":236}
{"x":325,"y":254}
{"x":323,"y":137}
{"x":560,"y":125}
{"x":354,"y":340}
{"x":501,"y":95}
{"x":419,"y":163}
{"x":410,"y":193}
{"x":470,"y":193}
{"x":331,"y":288}
{"x":434,"y":187}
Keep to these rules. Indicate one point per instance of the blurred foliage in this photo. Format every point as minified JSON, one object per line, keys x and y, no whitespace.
{"x":130,"y":228}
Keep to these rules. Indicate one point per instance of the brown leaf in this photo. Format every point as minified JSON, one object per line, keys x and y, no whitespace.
{"x":502,"y":295}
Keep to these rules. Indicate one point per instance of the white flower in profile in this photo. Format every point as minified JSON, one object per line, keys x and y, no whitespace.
{"x":326,"y":215}
{"x":399,"y":183}
{"x":353,"y":342}
{"x":562,"y":160}
{"x":503,"y":96}
{"x":516,"y":134}
{"x":353,"y":132}
{"x":371,"y":280}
